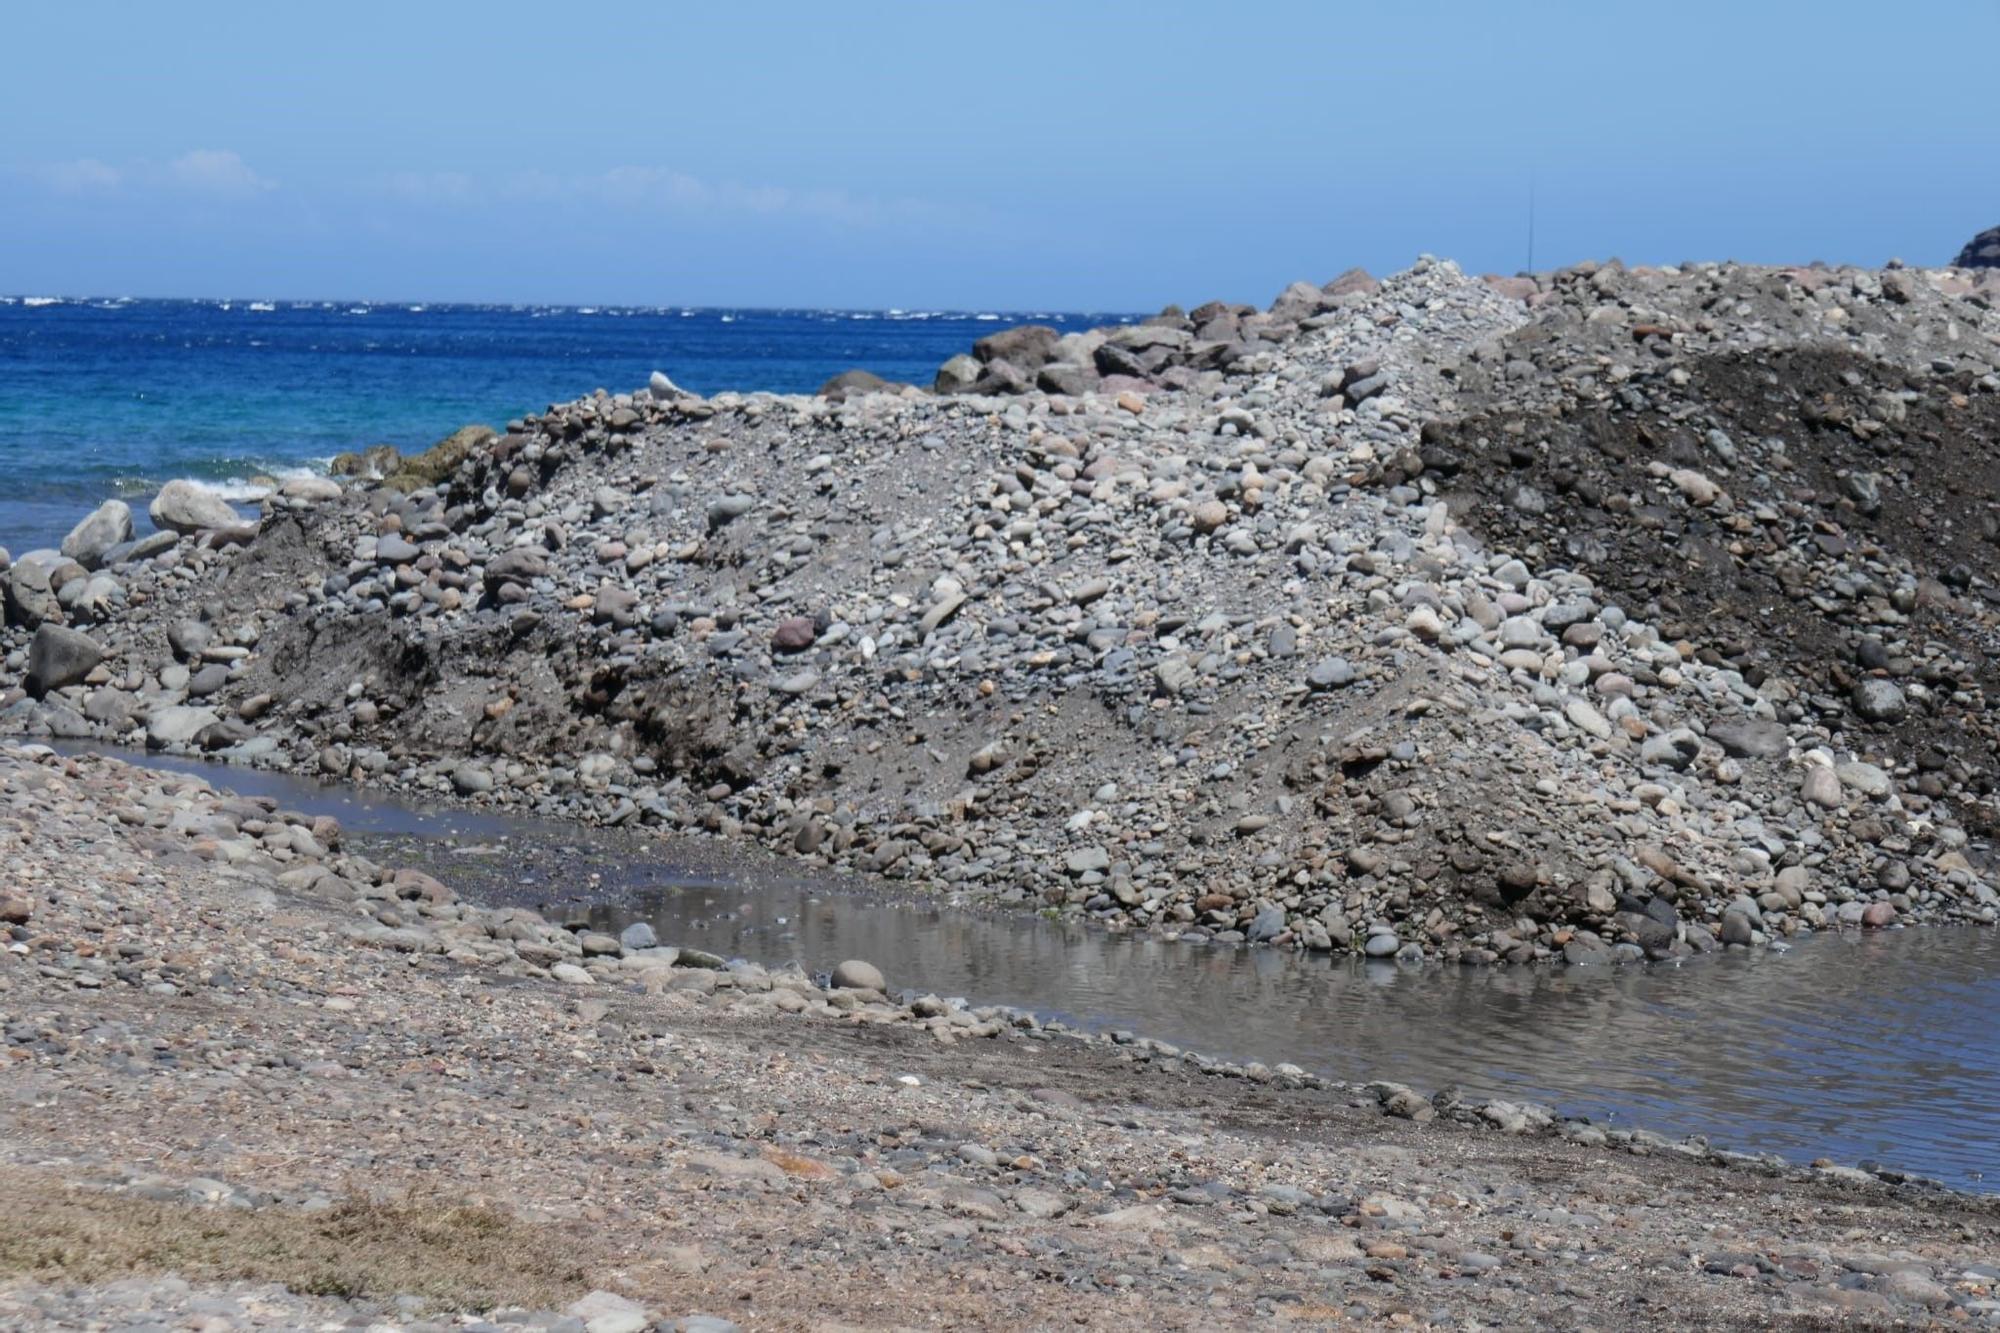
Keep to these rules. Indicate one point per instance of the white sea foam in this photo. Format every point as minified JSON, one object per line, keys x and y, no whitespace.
{"x":257,"y":482}
{"x":238,"y":489}
{"x":38,"y":301}
{"x":261,"y":482}
{"x":265,"y":306}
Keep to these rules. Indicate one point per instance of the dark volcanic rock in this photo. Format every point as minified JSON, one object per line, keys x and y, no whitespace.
{"x":1982,"y":251}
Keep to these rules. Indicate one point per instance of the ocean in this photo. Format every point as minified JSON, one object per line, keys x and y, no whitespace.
{"x":102,"y":398}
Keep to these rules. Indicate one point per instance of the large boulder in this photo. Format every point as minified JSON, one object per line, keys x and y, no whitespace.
{"x":1747,"y":738}
{"x":142,"y":548}
{"x":34,"y":586}
{"x":189,"y":507}
{"x":187,"y":638}
{"x":1027,"y":347}
{"x":1354,"y":282}
{"x":1982,"y":251}
{"x":854,"y":974}
{"x":1067,"y":378}
{"x":849,"y":382}
{"x":178,"y":725}
{"x":103,"y":528}
{"x":1001,"y":377}
{"x":60,"y":657}
{"x":92,"y":597}
{"x":522,"y":565}
{"x":1300,"y":301}
{"x":1150,"y":348}
{"x":1879,"y":700}
{"x":1117,"y":359}
{"x":310,"y":490}
{"x":376,"y":461}
{"x":439,"y":461}
{"x":30,"y":588}
{"x":957,"y":375}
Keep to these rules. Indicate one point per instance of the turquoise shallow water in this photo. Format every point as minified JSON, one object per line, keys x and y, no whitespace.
{"x":110,"y":397}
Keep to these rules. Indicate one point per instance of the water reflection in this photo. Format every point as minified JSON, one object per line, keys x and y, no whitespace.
{"x":1876,"y":1046}
{"x":1856,"y":1047}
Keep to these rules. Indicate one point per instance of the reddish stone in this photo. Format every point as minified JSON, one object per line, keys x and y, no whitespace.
{"x":1519,"y":289}
{"x":794,"y":634}
{"x":1878,"y":915}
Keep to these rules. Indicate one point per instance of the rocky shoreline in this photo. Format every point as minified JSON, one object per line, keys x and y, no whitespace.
{"x":1604,"y":615}
{"x":608,"y":1133}
{"x":1600,"y":616}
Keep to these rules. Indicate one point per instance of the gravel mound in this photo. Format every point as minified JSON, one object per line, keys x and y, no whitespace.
{"x":1601,"y":615}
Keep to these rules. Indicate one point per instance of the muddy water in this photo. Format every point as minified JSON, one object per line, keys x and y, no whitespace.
{"x":1859,"y":1048}
{"x":1863,"y":1048}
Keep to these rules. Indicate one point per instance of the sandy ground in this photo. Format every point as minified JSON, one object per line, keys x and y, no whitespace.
{"x":220,"y":1107}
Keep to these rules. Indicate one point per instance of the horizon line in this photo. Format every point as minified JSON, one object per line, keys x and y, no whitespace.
{"x":23,"y":297}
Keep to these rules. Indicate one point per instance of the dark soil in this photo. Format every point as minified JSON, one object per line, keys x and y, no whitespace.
{"x":1743,"y":583}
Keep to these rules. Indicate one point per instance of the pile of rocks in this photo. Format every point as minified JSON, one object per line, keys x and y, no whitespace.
{"x":1607,"y":614}
{"x":1167,"y":351}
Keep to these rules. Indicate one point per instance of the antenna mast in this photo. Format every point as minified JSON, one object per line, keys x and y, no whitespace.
{"x":1531,"y":222}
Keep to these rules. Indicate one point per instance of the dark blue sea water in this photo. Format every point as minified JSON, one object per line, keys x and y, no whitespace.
{"x":103,"y":398}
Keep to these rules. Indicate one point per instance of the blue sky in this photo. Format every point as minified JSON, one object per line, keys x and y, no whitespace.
{"x":1083,"y":156}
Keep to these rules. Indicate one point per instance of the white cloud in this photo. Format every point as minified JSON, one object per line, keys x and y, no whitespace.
{"x":650,"y":186}
{"x":222,"y":174}
{"x":430,"y":187}
{"x":86,"y":175}
{"x":213,"y":172}
{"x":216,"y":171}
{"x":664,"y":190}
